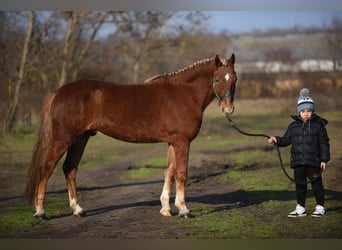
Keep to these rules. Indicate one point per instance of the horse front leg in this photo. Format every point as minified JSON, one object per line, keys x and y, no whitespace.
{"x":181,"y":172}
{"x":169,"y":179}
{"x":70,"y":166}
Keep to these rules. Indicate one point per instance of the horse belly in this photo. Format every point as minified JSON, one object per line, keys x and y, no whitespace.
{"x":138,"y":131}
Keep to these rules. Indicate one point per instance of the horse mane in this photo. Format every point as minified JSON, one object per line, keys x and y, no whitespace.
{"x":191,"y":66}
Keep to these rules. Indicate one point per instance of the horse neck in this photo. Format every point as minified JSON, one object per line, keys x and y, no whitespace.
{"x":199,"y":81}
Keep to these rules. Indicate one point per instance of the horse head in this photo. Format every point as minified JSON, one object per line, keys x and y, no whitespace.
{"x":224,"y":80}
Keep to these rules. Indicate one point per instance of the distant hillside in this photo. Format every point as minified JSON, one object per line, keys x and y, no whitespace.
{"x":300,"y":46}
{"x":278,"y":64}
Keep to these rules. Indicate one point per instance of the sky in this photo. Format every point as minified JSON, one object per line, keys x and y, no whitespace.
{"x":172,"y":5}
{"x":247,"y":21}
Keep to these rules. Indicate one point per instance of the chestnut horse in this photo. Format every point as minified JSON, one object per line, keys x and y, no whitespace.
{"x":168,"y":108}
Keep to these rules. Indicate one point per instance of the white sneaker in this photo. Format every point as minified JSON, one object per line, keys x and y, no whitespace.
{"x":319,"y":211}
{"x":298,"y":212}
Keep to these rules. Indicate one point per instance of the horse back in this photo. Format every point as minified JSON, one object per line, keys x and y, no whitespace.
{"x":152,"y":112}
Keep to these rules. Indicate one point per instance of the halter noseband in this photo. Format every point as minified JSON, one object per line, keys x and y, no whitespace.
{"x":219,"y":97}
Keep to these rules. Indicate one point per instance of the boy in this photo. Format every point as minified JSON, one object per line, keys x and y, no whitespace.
{"x":310,"y":152}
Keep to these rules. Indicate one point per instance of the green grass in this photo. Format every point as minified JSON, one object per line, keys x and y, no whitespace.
{"x":271,"y":198}
{"x":267,"y":220}
{"x":145,"y":169}
{"x":227,"y":224}
{"x":156,"y":161}
{"x":252,"y":166}
{"x":139,"y":173}
{"x":15,"y":220}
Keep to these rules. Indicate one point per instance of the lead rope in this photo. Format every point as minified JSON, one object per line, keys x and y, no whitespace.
{"x":278,"y":151}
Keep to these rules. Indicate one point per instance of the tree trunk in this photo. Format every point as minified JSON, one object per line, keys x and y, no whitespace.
{"x":97,"y":23}
{"x":10,"y":116}
{"x":73,"y":19}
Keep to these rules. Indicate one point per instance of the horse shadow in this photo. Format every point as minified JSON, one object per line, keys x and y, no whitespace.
{"x":243,"y":198}
{"x":81,"y":189}
{"x":220,"y":201}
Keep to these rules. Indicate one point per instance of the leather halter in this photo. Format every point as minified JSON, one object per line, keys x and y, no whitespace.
{"x":219,"y":97}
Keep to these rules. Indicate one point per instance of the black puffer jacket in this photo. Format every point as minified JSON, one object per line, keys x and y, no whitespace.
{"x":310,"y":141}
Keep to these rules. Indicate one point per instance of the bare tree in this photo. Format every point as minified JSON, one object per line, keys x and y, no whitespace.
{"x":93,"y":23}
{"x":334,"y":41}
{"x":72,"y":19}
{"x":145,"y":37}
{"x":188,"y":30}
{"x":138,"y":32}
{"x":76,"y":42}
{"x":10,"y":116}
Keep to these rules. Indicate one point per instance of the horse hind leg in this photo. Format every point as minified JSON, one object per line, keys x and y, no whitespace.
{"x":70,"y":166}
{"x":53,"y":156}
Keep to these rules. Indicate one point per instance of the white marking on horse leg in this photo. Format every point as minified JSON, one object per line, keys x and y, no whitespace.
{"x":76,"y":207}
{"x":181,"y":158}
{"x":78,"y":210}
{"x":165,"y":201}
{"x":39,"y":200}
{"x":180,"y":200}
{"x":40,"y":212}
{"x":165,"y":195}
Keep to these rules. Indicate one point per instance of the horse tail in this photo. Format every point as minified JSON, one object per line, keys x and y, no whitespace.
{"x":42,"y":146}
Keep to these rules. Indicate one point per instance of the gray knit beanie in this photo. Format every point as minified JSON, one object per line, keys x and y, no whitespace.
{"x":305,"y":101}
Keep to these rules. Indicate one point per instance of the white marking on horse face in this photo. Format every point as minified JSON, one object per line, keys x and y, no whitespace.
{"x":226,"y":77}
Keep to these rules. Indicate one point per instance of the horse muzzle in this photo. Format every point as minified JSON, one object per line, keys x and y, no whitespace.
{"x":227,"y":111}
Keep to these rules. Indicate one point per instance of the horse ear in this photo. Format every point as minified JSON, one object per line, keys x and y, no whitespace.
{"x":218,"y":61}
{"x":232,"y":58}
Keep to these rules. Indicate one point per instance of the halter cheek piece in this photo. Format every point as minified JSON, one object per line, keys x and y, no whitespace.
{"x":219,"y":97}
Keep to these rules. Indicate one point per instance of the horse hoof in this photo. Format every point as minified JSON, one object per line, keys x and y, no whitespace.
{"x":40,"y":216}
{"x":166,"y":213}
{"x":81,"y":214}
{"x":185,"y":216}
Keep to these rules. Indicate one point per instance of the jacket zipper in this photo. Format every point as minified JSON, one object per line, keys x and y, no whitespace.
{"x":303,"y":140}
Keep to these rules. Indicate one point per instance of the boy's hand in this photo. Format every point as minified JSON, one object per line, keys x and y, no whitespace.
{"x":323,"y":165}
{"x":272,"y":140}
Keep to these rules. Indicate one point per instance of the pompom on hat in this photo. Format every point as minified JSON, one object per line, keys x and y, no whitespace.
{"x":305,"y":101}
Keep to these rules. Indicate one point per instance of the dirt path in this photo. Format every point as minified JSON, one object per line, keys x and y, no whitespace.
{"x":117,"y":209}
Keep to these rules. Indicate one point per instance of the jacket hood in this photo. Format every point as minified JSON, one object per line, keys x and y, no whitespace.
{"x":314,"y":117}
